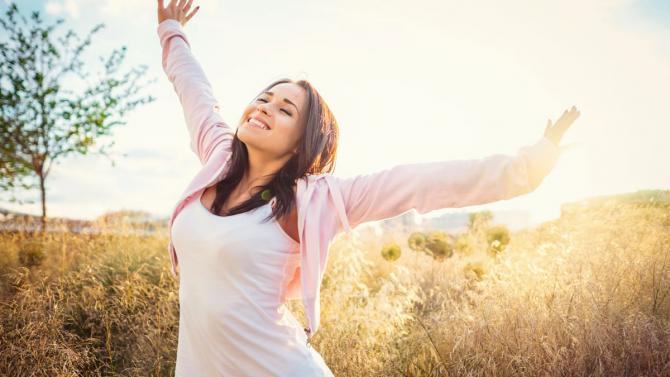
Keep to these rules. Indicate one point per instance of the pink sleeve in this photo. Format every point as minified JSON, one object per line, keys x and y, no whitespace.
{"x":206,"y":128}
{"x":446,"y":184}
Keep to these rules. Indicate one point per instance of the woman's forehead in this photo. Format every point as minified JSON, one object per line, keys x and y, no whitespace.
{"x":288,"y":91}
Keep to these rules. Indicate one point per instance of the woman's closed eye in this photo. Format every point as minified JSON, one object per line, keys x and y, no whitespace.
{"x":284,"y":110}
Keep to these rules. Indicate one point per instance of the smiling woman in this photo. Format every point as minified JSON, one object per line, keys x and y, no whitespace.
{"x":287,"y":132}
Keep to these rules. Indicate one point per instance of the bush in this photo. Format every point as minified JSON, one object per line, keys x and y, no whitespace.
{"x":391,"y":252}
{"x":439,"y":245}
{"x":31,"y":253}
{"x":474,"y":271}
{"x":464,"y":244}
{"x":417,"y":241}
{"x":497,"y":238}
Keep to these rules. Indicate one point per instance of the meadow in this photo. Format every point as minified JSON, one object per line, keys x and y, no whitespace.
{"x":587,"y":294}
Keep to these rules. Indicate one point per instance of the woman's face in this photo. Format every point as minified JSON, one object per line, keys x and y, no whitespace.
{"x":282,"y":109}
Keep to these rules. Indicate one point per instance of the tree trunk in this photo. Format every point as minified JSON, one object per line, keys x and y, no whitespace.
{"x":44,"y":204}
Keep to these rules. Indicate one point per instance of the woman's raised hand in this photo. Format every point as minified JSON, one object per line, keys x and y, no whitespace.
{"x":555,"y":132}
{"x":176,"y":10}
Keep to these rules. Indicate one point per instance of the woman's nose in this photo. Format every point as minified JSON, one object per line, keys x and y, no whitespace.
{"x":261,"y":108}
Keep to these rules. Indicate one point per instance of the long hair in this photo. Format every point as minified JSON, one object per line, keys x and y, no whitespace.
{"x":316,"y":154}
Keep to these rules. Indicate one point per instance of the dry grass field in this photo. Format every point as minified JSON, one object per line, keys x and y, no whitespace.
{"x":585,"y":295}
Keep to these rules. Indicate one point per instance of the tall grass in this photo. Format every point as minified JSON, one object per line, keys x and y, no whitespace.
{"x":585,"y":295}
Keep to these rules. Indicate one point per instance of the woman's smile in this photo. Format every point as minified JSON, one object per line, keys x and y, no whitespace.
{"x":253,"y":123}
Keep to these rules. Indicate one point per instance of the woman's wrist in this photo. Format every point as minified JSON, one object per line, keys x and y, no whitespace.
{"x":168,"y":20}
{"x":553,"y":141}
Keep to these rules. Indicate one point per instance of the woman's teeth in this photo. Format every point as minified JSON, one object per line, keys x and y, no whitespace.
{"x":253,"y":122}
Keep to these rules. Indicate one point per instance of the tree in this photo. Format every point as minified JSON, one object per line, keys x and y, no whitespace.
{"x":40,"y":120}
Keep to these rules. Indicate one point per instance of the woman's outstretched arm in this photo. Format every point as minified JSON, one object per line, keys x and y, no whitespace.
{"x":207,"y":130}
{"x":451,"y":184}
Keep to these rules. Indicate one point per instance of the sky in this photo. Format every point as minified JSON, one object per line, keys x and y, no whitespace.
{"x":407,"y":82}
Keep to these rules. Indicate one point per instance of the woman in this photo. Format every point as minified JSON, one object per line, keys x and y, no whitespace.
{"x":256,"y":221}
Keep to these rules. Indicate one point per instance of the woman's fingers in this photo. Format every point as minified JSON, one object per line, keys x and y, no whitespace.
{"x":176,"y":10}
{"x":567,"y":118}
{"x":571,"y":116}
{"x":192,"y":13}
{"x":187,"y":6}
{"x":575,"y":113}
{"x":183,"y":5}
{"x":555,"y":132}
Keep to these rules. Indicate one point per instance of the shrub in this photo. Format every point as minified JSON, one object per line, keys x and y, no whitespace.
{"x":439,"y":245}
{"x":474,"y":271}
{"x":391,"y":252}
{"x":497,"y":238}
{"x":464,"y":244}
{"x":31,"y":253}
{"x":417,"y":241}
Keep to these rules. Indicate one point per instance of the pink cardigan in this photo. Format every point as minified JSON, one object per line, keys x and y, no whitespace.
{"x":328,"y":205}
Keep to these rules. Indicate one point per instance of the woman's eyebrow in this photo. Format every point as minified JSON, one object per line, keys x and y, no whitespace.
{"x":285,"y":100}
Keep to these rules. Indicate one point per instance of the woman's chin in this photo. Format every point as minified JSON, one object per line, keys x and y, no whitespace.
{"x":250,"y":138}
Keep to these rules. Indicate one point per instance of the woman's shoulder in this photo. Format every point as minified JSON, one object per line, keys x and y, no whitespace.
{"x":313,"y":183}
{"x":313,"y":178}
